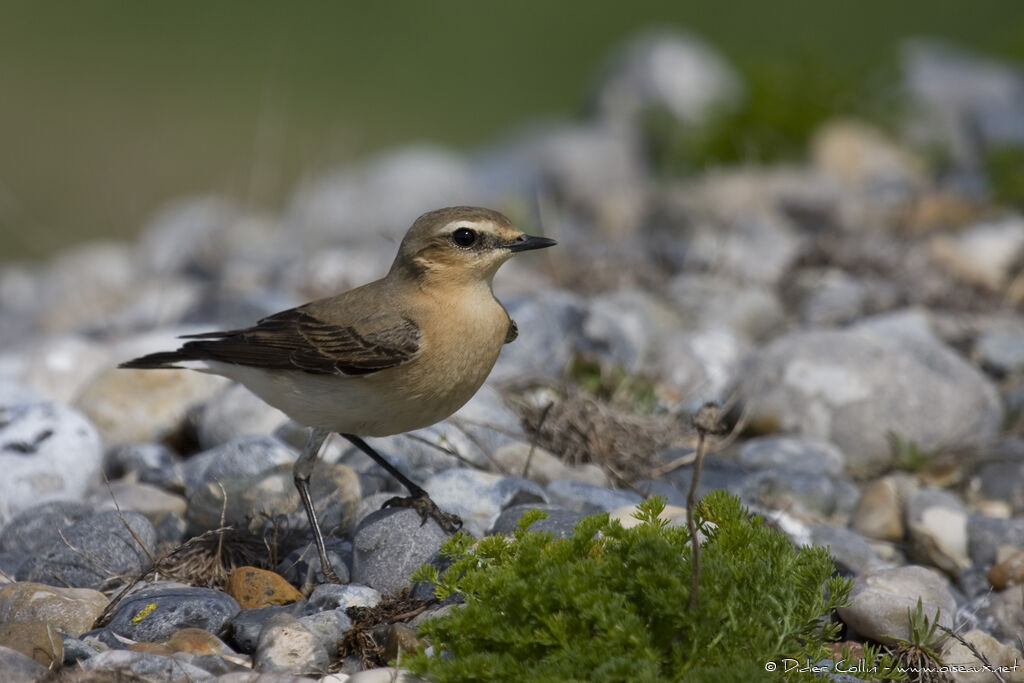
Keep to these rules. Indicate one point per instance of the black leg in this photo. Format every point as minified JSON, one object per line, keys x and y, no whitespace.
{"x":302,"y":472}
{"x":418,"y":498}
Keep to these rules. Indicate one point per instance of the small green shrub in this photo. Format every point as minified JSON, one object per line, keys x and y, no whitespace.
{"x":610,"y":604}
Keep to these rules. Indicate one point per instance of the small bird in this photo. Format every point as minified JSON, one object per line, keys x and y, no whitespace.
{"x":392,"y":356}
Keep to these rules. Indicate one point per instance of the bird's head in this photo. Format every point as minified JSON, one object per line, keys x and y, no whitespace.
{"x":461,"y":244}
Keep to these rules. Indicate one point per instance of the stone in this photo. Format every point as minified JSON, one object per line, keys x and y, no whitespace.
{"x":107,"y":545}
{"x":383,"y":675}
{"x":187,"y":233}
{"x":1001,"y":352}
{"x":666,"y":69}
{"x":21,"y":668}
{"x":672,"y":515}
{"x":151,"y":463}
{"x":147,"y":666}
{"x":883,"y":599}
{"x":479,"y":497}
{"x":937,"y":526}
{"x":84,"y":284}
{"x":970,"y":669}
{"x":860,"y":156}
{"x":242,"y":456}
{"x":68,"y":610}
{"x":329,"y":627}
{"x":1008,"y":572}
{"x":987,"y":535}
{"x":47,"y":451}
{"x":879,"y":511}
{"x":555,"y":324}
{"x":196,"y":641}
{"x":985,"y":254}
{"x":694,"y":367}
{"x":333,"y":596}
{"x":542,"y":466}
{"x":559,"y":521}
{"x":35,"y":639}
{"x":41,"y":526}
{"x":588,"y":498}
{"x":807,"y":496}
{"x":246,"y":625}
{"x":253,"y":587}
{"x":235,"y":412}
{"x":129,"y":406}
{"x":155,"y":614}
{"x":301,"y":567}
{"x":286,"y":646}
{"x":755,"y":247}
{"x":793,"y":453}
{"x":854,"y":388}
{"x":390,"y":544}
{"x":852,"y":553}
{"x":58,"y":367}
{"x":148,"y":500}
{"x":706,"y":301}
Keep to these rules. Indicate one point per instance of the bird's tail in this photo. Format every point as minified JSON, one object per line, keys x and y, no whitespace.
{"x":163,"y":359}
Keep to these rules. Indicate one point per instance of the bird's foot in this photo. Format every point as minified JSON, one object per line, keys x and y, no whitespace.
{"x":428,"y":510}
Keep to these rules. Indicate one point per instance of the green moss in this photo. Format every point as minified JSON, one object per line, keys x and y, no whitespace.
{"x":1004,"y":167}
{"x":610,"y":604}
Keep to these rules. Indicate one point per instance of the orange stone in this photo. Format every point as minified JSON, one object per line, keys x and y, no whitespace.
{"x":1009,"y":572}
{"x":253,"y":587}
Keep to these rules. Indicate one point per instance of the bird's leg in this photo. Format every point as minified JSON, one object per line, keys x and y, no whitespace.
{"x":418,"y":500}
{"x":302,"y":472}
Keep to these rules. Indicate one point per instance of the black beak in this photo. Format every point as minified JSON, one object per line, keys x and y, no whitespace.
{"x":528,"y":242}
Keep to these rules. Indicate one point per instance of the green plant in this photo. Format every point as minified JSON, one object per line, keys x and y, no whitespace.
{"x":906,"y":454}
{"x":610,"y":604}
{"x":919,"y":654}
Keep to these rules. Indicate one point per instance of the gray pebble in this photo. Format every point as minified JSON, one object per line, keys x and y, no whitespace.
{"x":587,"y":498}
{"x":390,"y":544}
{"x":154,"y":614}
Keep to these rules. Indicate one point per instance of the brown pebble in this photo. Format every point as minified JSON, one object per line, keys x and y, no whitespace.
{"x":253,"y":587}
{"x":36,"y":639}
{"x":1009,"y":572}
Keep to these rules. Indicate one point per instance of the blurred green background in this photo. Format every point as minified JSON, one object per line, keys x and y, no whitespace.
{"x":111,"y":107}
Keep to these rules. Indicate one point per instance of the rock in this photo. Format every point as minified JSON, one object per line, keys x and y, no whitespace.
{"x":329,"y":628}
{"x":151,"y":463}
{"x":155,"y":614}
{"x":969,"y":668}
{"x":713,"y":302}
{"x":757,"y":247}
{"x":333,"y":596}
{"x":236,"y":412}
{"x":148,"y":667}
{"x":807,"y":496}
{"x":673,"y":515}
{"x":882,"y":600}
{"x":41,"y":526}
{"x":937,"y":526}
{"x":262,"y":501}
{"x":693,"y":368}
{"x":68,"y":610}
{"x":286,"y":646}
{"x":35,"y":639}
{"x":187,"y":233}
{"x":58,"y":367}
{"x":997,"y":479}
{"x":829,"y":296}
{"x":21,"y":668}
{"x":879,"y":512}
{"x":477,"y":430}
{"x":559,"y":521}
{"x":541,"y":466}
{"x":47,"y":451}
{"x":986,"y":535}
{"x":860,"y":156}
{"x":153,"y":502}
{"x":1001,"y":351}
{"x":852,"y":553}
{"x":129,"y":406}
{"x":809,"y":455}
{"x":301,"y":567}
{"x":196,"y":641}
{"x":95,"y":550}
{"x":624,"y":326}
{"x":854,"y":388}
{"x":666,"y":69}
{"x":717,"y":473}
{"x":382,"y":675}
{"x":253,"y":587}
{"x":479,"y":497}
{"x":985,"y":254}
{"x":1008,"y":572}
{"x":390,"y":544}
{"x":244,"y":455}
{"x":84,"y":284}
{"x":1005,"y":613}
{"x":550,"y":328}
{"x":588,"y":498}
{"x":245,"y":627}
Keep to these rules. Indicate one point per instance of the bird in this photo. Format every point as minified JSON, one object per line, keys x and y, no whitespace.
{"x":392,"y":356}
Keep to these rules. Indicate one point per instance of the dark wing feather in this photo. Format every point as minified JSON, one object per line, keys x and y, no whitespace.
{"x":297,"y":339}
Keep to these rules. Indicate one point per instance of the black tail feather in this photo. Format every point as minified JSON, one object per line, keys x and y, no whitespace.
{"x":163,"y":359}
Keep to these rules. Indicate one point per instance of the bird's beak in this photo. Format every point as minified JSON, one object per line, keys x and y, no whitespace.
{"x":528,"y":242}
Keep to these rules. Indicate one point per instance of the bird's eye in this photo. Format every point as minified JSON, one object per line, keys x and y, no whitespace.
{"x":464,"y":237}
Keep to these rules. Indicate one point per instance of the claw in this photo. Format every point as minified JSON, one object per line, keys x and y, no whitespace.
{"x":428,"y":510}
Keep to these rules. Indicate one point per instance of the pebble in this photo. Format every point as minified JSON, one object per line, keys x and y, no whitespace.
{"x":710,"y":302}
{"x":879,"y":511}
{"x":1001,"y":351}
{"x":854,"y":388}
{"x":588,"y":498}
{"x":35,"y":639}
{"x":253,"y":587}
{"x":333,"y":596}
{"x":301,"y":567}
{"x":807,"y":496}
{"x":235,"y":412}
{"x":242,"y":456}
{"x":881,"y":599}
{"x":246,"y":625}
{"x":41,"y":526}
{"x":106,"y":546}
{"x":479,"y":497}
{"x":20,"y":667}
{"x":329,"y":627}
{"x":151,"y":501}
{"x":69,"y":610}
{"x":970,"y":669}
{"x":155,"y":614}
{"x":150,"y":463}
{"x":937,"y":527}
{"x":390,"y":544}
{"x":58,"y":367}
{"x":987,"y":535}
{"x":984,"y":254}
{"x":286,"y":646}
{"x":542,"y":466}
{"x":809,"y":455}
{"x":148,"y":667}
{"x":694,"y":367}
{"x":47,"y":451}
{"x":559,"y":521}
{"x":1008,"y":572}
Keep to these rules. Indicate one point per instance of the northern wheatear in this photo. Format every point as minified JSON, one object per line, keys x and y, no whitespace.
{"x":389,"y":357}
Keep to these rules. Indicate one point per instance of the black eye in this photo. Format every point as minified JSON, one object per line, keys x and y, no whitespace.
{"x":464,"y":237}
